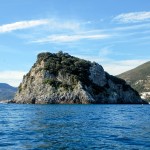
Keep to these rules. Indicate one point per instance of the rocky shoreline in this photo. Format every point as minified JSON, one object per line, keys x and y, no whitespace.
{"x":63,"y":79}
{"x":6,"y":101}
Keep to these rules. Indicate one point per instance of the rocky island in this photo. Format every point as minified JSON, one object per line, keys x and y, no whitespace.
{"x":58,"y":78}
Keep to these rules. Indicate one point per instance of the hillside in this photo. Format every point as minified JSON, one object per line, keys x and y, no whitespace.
{"x":139,"y":79}
{"x":7,"y":92}
{"x":63,"y":79}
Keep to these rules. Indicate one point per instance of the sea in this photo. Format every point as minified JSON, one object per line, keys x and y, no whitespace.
{"x":74,"y":127}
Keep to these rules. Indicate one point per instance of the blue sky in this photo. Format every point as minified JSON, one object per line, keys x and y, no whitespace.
{"x":114,"y":33}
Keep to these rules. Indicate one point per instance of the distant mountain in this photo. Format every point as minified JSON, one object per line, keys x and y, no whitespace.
{"x":139,"y":79}
{"x":6,"y":91}
{"x":59,"y":78}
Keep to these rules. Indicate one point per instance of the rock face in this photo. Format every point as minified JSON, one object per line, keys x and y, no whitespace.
{"x":63,"y":79}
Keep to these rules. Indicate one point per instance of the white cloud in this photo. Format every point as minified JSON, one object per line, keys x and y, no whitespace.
{"x":21,"y":25}
{"x":133,"y":17}
{"x":13,"y":78}
{"x":133,"y":27}
{"x":70,"y":38}
{"x":59,"y":30}
{"x":51,"y":25}
{"x":117,"y":67}
{"x":56,"y":24}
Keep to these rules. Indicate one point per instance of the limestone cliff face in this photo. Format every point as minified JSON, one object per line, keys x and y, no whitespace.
{"x":63,"y":79}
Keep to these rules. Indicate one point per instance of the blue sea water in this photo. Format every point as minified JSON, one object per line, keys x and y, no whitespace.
{"x":73,"y":127}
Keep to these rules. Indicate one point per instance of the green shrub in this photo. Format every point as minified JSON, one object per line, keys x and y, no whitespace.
{"x":20,"y":88}
{"x":63,"y":62}
{"x":52,"y":82}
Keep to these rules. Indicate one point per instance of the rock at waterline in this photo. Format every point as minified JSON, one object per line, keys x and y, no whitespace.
{"x":63,"y":79}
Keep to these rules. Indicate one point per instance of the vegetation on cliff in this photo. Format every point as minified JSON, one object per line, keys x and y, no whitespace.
{"x":63,"y":63}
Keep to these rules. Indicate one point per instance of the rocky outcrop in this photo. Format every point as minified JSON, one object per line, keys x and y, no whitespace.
{"x":63,"y":79}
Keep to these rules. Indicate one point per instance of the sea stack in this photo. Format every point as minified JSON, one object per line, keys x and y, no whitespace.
{"x":58,"y":78}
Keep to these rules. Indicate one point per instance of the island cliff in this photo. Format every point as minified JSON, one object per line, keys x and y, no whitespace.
{"x":63,"y":79}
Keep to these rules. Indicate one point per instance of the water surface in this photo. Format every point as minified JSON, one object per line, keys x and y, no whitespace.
{"x":71,"y":127}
